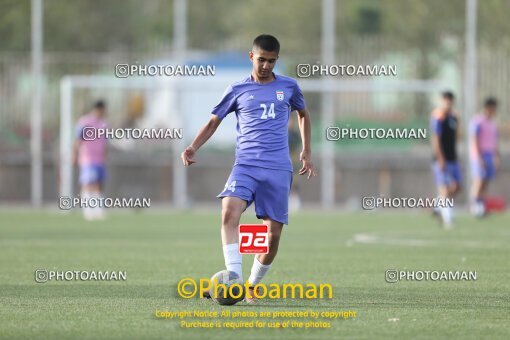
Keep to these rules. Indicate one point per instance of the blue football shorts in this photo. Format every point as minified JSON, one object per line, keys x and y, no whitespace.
{"x":486,"y":172}
{"x":90,"y":174}
{"x":450,"y":174}
{"x":268,"y":188}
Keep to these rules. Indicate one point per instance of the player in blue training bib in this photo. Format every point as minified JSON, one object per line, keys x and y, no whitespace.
{"x":262,"y":171}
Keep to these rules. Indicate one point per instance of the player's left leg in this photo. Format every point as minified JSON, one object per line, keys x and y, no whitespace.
{"x":275,"y":232}
{"x":272,"y":206}
{"x":453,"y":189}
{"x":455,"y":179}
{"x":477,"y":192}
{"x":481,"y":195}
{"x":483,"y":171}
{"x":90,"y":177}
{"x":445,"y":211}
{"x":262,"y":262}
{"x":97,"y":190}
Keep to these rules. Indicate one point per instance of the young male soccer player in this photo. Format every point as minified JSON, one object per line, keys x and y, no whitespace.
{"x":444,"y":126}
{"x":89,"y":154}
{"x":262,"y":171}
{"x":484,"y":154}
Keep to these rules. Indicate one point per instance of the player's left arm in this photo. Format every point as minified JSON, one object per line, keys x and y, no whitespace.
{"x":497,"y":156}
{"x":475,"y":141}
{"x":75,"y":152}
{"x":457,"y":135}
{"x":76,"y":144}
{"x":305,"y":129}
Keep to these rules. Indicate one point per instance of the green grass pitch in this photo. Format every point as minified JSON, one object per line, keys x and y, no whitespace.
{"x":351,"y":251}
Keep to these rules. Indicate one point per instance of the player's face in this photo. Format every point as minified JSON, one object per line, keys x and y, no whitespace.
{"x":446,"y":104}
{"x":263,"y":62}
{"x":490,"y":111}
{"x":101,"y":112}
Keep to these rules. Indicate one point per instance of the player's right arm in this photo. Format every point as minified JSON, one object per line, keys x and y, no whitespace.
{"x":76,"y":148}
{"x":76,"y":143}
{"x":226,"y":105}
{"x":203,"y":136}
{"x":436,"y":142}
{"x":475,"y":141}
{"x":436,"y":147}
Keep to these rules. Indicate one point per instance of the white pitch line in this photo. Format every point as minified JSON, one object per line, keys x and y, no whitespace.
{"x":373,"y":239}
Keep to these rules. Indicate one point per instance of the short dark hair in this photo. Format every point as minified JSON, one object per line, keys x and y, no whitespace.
{"x":267,"y":42}
{"x":491,"y":102}
{"x":99,"y":104}
{"x":448,"y":95}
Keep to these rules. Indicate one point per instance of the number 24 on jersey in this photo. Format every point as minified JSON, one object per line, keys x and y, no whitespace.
{"x":267,"y":113}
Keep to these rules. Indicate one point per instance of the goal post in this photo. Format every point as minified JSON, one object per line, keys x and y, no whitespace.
{"x":70,"y":83}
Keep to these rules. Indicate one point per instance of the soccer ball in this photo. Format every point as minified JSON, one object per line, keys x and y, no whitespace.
{"x":233,"y":285}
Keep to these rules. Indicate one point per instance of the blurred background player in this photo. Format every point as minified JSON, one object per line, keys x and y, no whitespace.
{"x":89,"y":153}
{"x":484,"y":154}
{"x":262,"y":171}
{"x":444,"y":126}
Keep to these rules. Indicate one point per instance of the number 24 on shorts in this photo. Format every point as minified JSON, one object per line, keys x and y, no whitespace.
{"x":231,"y":187}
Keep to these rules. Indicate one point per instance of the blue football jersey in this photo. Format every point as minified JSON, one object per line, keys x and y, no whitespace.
{"x":262,"y":112}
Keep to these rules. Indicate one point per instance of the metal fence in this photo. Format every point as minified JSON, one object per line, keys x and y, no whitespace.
{"x":15,"y":83}
{"x":387,"y":108}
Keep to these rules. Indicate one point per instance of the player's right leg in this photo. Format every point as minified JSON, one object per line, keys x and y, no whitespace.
{"x":91,"y":179}
{"x":445,"y":212}
{"x":232,"y":208}
{"x":86,"y":191}
{"x":236,"y":197}
{"x":443,"y":181}
{"x":85,"y":194}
